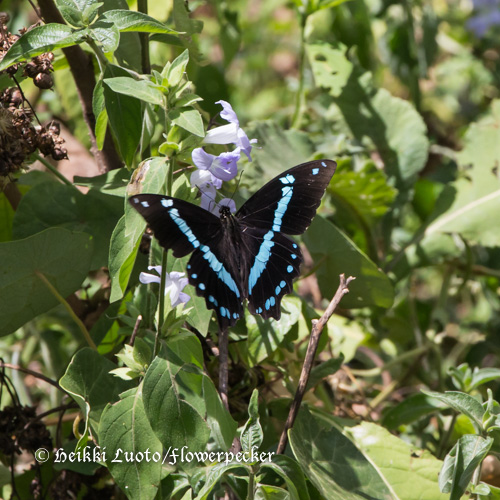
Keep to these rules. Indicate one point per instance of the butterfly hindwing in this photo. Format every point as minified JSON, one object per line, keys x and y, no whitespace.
{"x":291,"y":199}
{"x":271,"y":275}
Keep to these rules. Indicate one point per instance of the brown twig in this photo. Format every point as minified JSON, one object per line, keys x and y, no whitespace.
{"x":31,"y":372}
{"x":136,"y":329}
{"x":309,"y":359}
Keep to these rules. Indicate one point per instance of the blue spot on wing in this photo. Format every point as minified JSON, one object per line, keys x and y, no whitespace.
{"x":315,"y":171}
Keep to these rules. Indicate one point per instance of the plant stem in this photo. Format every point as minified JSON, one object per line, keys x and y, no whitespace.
{"x":101,"y":57}
{"x":223,"y":366}
{"x":300,"y":97}
{"x":142,"y":6}
{"x":62,"y":300}
{"x":54,"y":170}
{"x":161,"y":306}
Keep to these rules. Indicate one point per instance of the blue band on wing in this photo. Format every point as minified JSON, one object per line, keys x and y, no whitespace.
{"x":264,"y":253}
{"x":208,"y":255}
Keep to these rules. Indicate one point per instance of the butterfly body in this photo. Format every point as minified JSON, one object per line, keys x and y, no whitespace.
{"x":247,"y":256}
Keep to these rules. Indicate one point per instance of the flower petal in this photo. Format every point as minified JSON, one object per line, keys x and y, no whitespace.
{"x":201,"y":179}
{"x":244,"y":143}
{"x":147,"y":278}
{"x":228,"y":113}
{"x":225,"y":166}
{"x":227,"y":134}
{"x":202,"y":159}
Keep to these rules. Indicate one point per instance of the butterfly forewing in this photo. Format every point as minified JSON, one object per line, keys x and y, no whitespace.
{"x":290,"y":198}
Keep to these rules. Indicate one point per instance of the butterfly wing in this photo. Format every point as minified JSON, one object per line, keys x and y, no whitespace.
{"x":285,"y":205}
{"x":276,"y":264}
{"x":186,"y":228}
{"x":289,"y":201}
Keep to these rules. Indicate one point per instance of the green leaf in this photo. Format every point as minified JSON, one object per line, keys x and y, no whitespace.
{"x":89,"y":382}
{"x":100,"y":113}
{"x":189,"y":119}
{"x":265,"y":336}
{"x":125,"y":116}
{"x":106,"y":34}
{"x":41,"y":39}
{"x":221,"y":424}
{"x":290,"y":471}
{"x":409,"y":472}
{"x":173,"y":401}
{"x":463,"y":403}
{"x":334,"y":465}
{"x":122,"y":252}
{"x":215,"y":474}
{"x":128,"y":20}
{"x":268,"y":492}
{"x":70,"y":10}
{"x":334,"y":253}
{"x":411,"y":409}
{"x":471,"y":204}
{"x":113,"y":183}
{"x":189,"y":27}
{"x":125,"y":428}
{"x":176,"y":69}
{"x":323,"y":370}
{"x":482,"y":376}
{"x":460,"y":464}
{"x":331,"y":69}
{"x":251,"y":434}
{"x":93,"y":213}
{"x":141,"y":89}
{"x":61,"y":256}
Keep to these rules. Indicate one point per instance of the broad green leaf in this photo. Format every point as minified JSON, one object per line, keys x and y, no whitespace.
{"x":334,"y":253}
{"x":331,"y":69}
{"x":124,"y":115}
{"x":391,"y":124}
{"x":189,"y":119}
{"x":481,"y":376}
{"x":463,"y":403}
{"x":89,"y":382}
{"x":411,"y":474}
{"x":331,"y":461}
{"x":149,"y":177}
{"x":106,"y":34}
{"x":122,"y":252}
{"x":265,"y":336}
{"x":221,"y":424}
{"x":460,"y":464}
{"x":141,"y":89}
{"x":71,"y":12}
{"x":93,"y":213}
{"x":41,"y":39}
{"x":59,"y":255}
{"x":124,"y":427}
{"x":173,"y":400}
{"x":128,"y":20}
{"x":411,"y":409}
{"x":113,"y":183}
{"x":100,"y":113}
{"x":470,"y":205}
{"x":365,"y":192}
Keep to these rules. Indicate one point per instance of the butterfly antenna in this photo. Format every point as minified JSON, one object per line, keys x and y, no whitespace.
{"x":237,"y":185}
{"x":208,"y":195}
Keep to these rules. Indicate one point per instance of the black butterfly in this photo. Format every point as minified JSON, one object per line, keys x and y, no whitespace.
{"x":248,"y":255}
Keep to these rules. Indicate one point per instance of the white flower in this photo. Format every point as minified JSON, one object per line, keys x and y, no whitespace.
{"x":174,"y":284}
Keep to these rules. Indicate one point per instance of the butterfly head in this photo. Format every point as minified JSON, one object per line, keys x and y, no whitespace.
{"x":224,"y":212}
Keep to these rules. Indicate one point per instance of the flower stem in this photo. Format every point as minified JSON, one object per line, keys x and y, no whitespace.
{"x":54,"y":170}
{"x":161,"y":306}
{"x":101,"y":57}
{"x":68,"y":308}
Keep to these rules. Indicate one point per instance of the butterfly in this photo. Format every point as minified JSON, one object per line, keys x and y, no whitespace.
{"x":247,"y":255}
